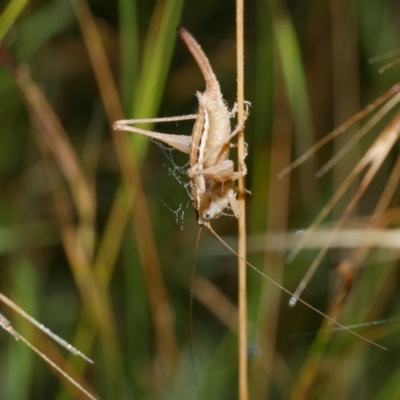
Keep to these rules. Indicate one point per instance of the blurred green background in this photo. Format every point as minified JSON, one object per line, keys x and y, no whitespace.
{"x":97,"y":232}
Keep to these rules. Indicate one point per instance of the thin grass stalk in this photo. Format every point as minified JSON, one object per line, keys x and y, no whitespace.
{"x":390,"y":97}
{"x":242,"y":285}
{"x":81,"y":393}
{"x":53,"y":353}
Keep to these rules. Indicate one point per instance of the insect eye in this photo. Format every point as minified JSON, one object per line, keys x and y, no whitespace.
{"x":207,"y":216}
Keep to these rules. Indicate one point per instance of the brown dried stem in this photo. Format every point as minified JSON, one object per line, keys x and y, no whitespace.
{"x":242,"y":285}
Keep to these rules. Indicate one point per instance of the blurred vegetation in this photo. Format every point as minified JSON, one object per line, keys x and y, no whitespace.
{"x":97,"y":230}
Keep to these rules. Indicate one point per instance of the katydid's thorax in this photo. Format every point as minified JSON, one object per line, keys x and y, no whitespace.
{"x":213,"y":126}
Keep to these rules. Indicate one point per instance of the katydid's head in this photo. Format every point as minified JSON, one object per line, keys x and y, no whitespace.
{"x":211,"y":206}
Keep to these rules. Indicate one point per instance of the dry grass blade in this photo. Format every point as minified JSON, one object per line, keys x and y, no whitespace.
{"x":368,"y":158}
{"x":5,"y":324}
{"x":347,"y":124}
{"x":375,"y":156}
{"x":45,"y":330}
{"x":358,"y":135}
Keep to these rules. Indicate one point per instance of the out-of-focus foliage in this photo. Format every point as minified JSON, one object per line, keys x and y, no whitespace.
{"x":103,"y":258}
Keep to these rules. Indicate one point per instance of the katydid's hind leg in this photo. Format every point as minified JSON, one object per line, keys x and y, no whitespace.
{"x":179,"y":142}
{"x":128,"y":122}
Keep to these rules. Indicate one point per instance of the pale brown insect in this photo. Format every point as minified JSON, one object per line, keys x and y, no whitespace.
{"x":211,"y":171}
